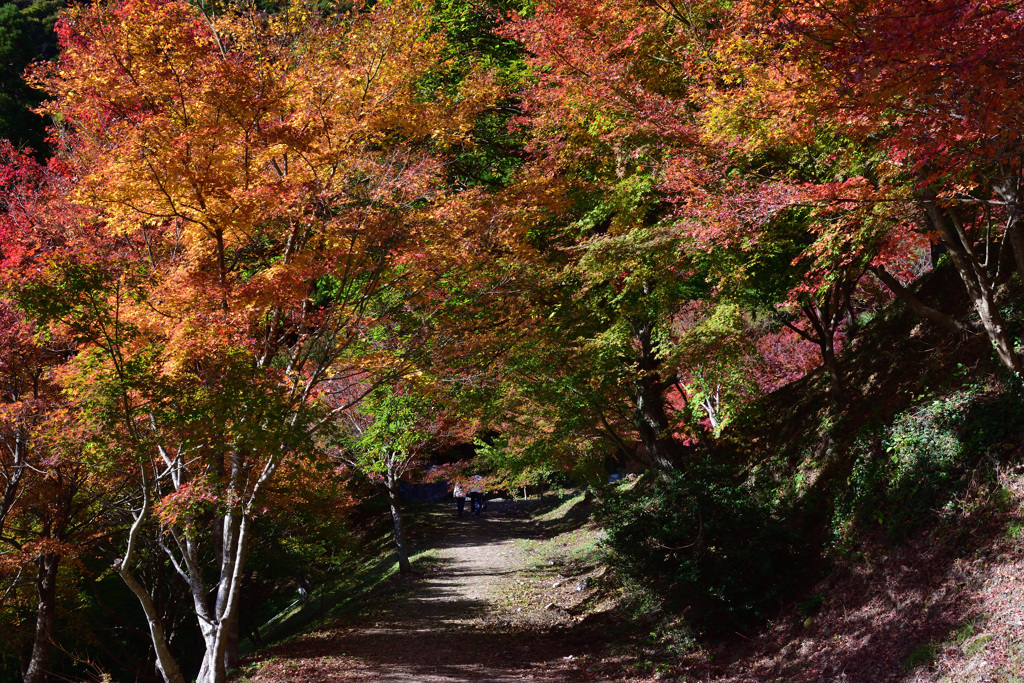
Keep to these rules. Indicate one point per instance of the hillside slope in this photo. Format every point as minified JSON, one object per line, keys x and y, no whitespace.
{"x":911,"y":492}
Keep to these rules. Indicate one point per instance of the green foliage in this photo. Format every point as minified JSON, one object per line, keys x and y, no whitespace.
{"x":495,"y":151}
{"x":704,"y":542}
{"x":920,"y":466}
{"x":302,"y":544}
{"x":722,"y":366}
{"x":396,"y":432}
{"x":922,"y":655}
{"x":530,"y":466}
{"x":811,"y":604}
{"x":26,"y":34}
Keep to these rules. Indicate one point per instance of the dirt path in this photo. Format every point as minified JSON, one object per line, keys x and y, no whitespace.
{"x":452,"y":626}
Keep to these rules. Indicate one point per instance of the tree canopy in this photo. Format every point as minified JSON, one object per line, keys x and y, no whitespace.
{"x":241,"y":243}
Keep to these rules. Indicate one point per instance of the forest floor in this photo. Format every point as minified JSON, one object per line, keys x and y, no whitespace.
{"x":521,"y":594}
{"x":494,"y":602}
{"x":946,"y":606}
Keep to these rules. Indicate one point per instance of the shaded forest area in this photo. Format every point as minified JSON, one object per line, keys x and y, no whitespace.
{"x":264,"y":264}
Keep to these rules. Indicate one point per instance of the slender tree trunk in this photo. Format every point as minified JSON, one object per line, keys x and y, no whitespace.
{"x":228,"y":615}
{"x":852,"y":324}
{"x":976,"y":280}
{"x":14,"y":475}
{"x":396,"y":516}
{"x":1016,"y":235}
{"x":711,"y":404}
{"x":232,"y":558}
{"x":825,"y":321}
{"x":925,"y":311}
{"x":231,"y":642}
{"x":46,"y":619}
{"x":165,"y":662}
{"x":219,"y":625}
{"x":1009,"y":191}
{"x":222,"y":647}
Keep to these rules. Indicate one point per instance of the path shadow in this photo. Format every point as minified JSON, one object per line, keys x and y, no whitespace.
{"x":440,"y":624}
{"x":416,"y":650}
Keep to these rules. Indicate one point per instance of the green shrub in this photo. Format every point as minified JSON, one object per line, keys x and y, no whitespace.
{"x":703,"y":543}
{"x":918,"y":467}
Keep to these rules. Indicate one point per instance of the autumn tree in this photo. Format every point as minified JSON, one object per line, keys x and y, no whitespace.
{"x":663,"y":233}
{"x":250,"y":183}
{"x":932,"y":86}
{"x":34,"y":509}
{"x":687,"y":126}
{"x":382,"y":439}
{"x":607,"y":122}
{"x":49,"y":515}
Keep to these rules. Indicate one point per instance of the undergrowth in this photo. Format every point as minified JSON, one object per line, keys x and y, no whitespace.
{"x":928,"y":464}
{"x":708,"y":546}
{"x":358,"y":572}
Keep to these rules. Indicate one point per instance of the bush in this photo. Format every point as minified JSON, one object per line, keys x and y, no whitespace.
{"x":702,"y":542}
{"x":919,"y":466}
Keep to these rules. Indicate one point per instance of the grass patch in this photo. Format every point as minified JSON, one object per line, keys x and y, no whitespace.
{"x":922,"y":655}
{"x":366,"y":576}
{"x":976,"y":645}
{"x":563,"y":508}
{"x":569,"y":541}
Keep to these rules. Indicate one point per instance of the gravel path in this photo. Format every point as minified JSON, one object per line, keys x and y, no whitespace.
{"x":450,"y":628}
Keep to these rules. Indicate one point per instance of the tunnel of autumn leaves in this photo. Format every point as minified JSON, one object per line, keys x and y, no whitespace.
{"x":268,"y":246}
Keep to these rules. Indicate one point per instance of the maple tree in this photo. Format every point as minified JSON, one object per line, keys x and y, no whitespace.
{"x":385,"y":435}
{"x":931,"y":86}
{"x":48,"y":511}
{"x":614,"y":266}
{"x":250,"y":187}
{"x":663,"y":226}
{"x":702,"y":117}
{"x":31,"y":484}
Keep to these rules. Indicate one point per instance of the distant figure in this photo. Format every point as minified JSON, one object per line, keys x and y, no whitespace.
{"x":460,"y":499}
{"x":476,"y":495}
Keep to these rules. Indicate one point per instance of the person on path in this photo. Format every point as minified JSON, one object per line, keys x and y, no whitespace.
{"x":460,"y":499}
{"x":476,"y":495}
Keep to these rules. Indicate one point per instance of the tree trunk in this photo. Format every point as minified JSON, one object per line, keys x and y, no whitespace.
{"x":825,"y":321}
{"x":231,"y":642}
{"x":650,"y":417}
{"x":219,"y":627}
{"x":46,"y":619}
{"x":976,"y":280}
{"x":835,"y":375}
{"x":165,"y":662}
{"x":1009,"y":191}
{"x":1016,"y":236}
{"x":225,"y":618}
{"x":652,"y":424}
{"x":916,"y":305}
{"x":14,"y":475}
{"x":396,"y":516}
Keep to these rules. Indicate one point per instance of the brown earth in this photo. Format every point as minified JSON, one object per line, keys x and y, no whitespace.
{"x":475,"y":613}
{"x":504,"y":600}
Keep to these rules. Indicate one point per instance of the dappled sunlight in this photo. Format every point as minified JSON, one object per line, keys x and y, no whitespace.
{"x":446,"y":626}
